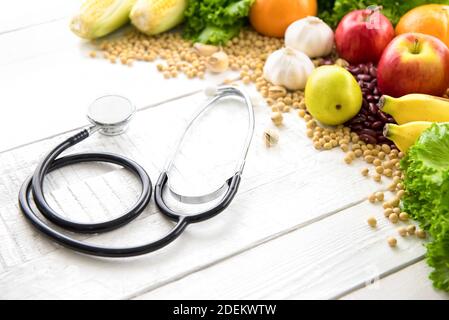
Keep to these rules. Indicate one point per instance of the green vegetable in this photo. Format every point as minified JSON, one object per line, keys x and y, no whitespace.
{"x":215,"y":21}
{"x":393,"y":9}
{"x":426,"y":169}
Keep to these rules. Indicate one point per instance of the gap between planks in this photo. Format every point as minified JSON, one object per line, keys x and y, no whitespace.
{"x":153,"y":105}
{"x":258,"y":244}
{"x":367,"y":280}
{"x":149,"y":106}
{"x":381,"y":276}
{"x":33,"y":25}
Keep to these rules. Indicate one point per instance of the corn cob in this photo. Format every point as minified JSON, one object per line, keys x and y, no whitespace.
{"x":98,"y":18}
{"x":156,"y":16}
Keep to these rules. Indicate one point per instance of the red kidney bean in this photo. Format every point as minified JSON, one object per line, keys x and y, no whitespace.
{"x":377,"y":125}
{"x":355,"y":70}
{"x":368,"y":139}
{"x":373,"y":109}
{"x":364,"y":77}
{"x":363,"y":68}
{"x":356,"y":120}
{"x":369,"y":132}
{"x":383,"y":117}
{"x":369,"y":122}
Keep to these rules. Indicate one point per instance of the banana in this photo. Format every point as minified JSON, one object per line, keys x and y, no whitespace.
{"x":404,"y":136}
{"x":416,"y":107}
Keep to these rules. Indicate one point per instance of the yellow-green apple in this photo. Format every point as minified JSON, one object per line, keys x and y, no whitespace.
{"x":362,"y":36}
{"x":414,"y":63}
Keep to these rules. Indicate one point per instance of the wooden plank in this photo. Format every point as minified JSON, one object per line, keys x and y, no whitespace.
{"x":19,"y":14}
{"x":283,"y":189}
{"x":314,"y":262}
{"x":49,"y":81}
{"x":411,"y":283}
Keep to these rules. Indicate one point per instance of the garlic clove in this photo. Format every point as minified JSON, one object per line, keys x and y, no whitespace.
{"x":218,"y":62}
{"x":205,"y":50}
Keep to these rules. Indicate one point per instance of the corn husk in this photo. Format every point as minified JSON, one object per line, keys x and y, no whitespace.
{"x":98,"y":18}
{"x":157,"y":16}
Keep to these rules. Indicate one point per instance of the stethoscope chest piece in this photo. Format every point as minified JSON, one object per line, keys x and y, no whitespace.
{"x":111,"y":114}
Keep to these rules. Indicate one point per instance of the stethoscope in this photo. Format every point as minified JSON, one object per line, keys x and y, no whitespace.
{"x":110,"y":115}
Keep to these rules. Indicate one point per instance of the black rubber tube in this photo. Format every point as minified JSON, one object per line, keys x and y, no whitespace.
{"x":32,"y":191}
{"x":233,"y":185}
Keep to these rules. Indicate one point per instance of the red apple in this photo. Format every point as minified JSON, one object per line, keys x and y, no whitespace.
{"x":414,"y":63}
{"x":362,"y":36}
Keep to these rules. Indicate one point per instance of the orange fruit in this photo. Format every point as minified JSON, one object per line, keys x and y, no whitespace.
{"x":431,"y":19}
{"x":272,"y":17}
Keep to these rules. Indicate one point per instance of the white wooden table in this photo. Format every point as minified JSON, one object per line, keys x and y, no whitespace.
{"x":297,"y":228}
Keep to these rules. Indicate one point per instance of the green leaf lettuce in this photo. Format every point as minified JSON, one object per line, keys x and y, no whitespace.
{"x":426,"y":169}
{"x":215,"y":21}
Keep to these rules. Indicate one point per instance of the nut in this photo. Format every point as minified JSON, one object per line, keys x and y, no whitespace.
{"x":372,"y":222}
{"x":421,"y":234}
{"x":402,"y":231}
{"x":392,"y":242}
{"x":277,"y":118}
{"x":411,"y":229}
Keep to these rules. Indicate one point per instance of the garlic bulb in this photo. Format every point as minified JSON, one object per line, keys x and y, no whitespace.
{"x":310,"y":35}
{"x":289,"y":68}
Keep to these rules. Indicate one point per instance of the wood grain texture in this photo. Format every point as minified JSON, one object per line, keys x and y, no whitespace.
{"x":315,"y":262}
{"x":296,"y":229}
{"x":48,"y":82}
{"x":23,"y":14}
{"x":283,"y":190}
{"x":411,"y":283}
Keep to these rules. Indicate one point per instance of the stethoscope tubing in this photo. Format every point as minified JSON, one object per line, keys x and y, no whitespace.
{"x":49,"y":163}
{"x":32,"y":191}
